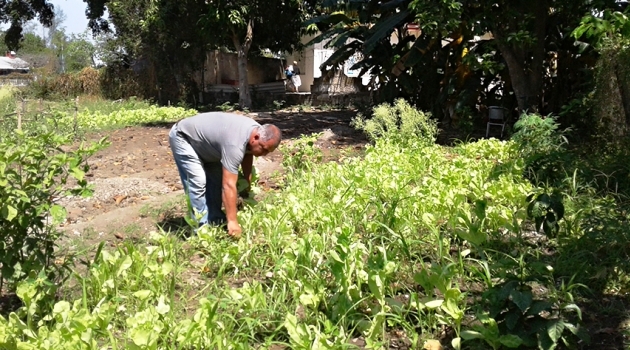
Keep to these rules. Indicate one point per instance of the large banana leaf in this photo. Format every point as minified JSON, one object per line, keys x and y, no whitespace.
{"x":341,"y":55}
{"x":383,"y":29}
{"x":326,"y":35}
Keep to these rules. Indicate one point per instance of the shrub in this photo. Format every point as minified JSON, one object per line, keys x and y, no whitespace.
{"x":7,"y":101}
{"x":399,"y":123}
{"x":301,"y":154}
{"x":85,"y":82}
{"x":33,"y":171}
{"x":541,"y":145}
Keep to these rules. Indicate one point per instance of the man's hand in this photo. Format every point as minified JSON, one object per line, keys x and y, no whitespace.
{"x":234,"y":229}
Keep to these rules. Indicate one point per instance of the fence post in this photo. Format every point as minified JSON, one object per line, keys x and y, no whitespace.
{"x":76,"y":112}
{"x":18,"y":110}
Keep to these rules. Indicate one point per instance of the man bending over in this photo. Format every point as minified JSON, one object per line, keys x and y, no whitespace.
{"x":208,"y":149}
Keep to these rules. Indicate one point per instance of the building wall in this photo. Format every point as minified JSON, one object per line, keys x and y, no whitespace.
{"x":309,"y":62}
{"x":222,"y":68}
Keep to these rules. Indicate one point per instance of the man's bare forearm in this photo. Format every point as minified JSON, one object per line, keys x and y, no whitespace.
{"x":229,"y":201}
{"x":229,"y":194}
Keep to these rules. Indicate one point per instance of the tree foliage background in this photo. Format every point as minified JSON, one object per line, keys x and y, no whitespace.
{"x":163,"y":51}
{"x":465,"y":56}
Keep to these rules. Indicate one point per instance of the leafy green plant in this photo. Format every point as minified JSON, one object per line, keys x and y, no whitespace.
{"x":95,"y":120}
{"x":301,"y":154}
{"x":278,"y":104}
{"x":547,"y":211}
{"x":146,"y":274}
{"x":34,"y":170}
{"x":513,"y":316}
{"x":227,"y":106}
{"x":399,"y":122}
{"x":541,"y":145}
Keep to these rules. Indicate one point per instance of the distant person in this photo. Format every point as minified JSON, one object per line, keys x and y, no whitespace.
{"x":288,"y":73}
{"x":208,"y":149}
{"x":295,"y":78}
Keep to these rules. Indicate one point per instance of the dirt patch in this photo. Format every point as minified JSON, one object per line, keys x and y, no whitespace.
{"x":136,"y":183}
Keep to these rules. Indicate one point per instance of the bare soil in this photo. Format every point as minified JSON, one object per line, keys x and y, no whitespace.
{"x":135,"y":178}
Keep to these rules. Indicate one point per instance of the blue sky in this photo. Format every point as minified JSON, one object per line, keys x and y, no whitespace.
{"x":75,"y":15}
{"x":75,"y":22}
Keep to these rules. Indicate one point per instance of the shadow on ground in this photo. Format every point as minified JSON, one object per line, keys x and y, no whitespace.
{"x":176,"y":224}
{"x":9,"y":303}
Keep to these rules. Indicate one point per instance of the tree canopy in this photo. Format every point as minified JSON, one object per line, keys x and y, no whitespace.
{"x":18,"y":12}
{"x":179,"y":33}
{"x":462,"y":48}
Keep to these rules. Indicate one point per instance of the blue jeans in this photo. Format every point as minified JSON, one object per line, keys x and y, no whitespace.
{"x":202,"y":182}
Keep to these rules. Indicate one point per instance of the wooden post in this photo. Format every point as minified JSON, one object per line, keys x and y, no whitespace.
{"x":76,"y":112}
{"x":19,"y":118}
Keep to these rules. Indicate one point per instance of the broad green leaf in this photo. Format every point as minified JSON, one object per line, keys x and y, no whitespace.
{"x":124,"y":266}
{"x":235,"y":295}
{"x":428,"y":219}
{"x":545,"y":342}
{"x":9,"y":212}
{"x":309,"y":299}
{"x":538,"y":306}
{"x":297,"y":333}
{"x":376,"y":286}
{"x":523,"y":299}
{"x":472,"y":235}
{"x":555,"y":329}
{"x":470,"y":335}
{"x":142,"y":294}
{"x":141,"y":337}
{"x":434,"y":304}
{"x":62,"y":309}
{"x":77,"y":173}
{"x":576,"y":308}
{"x":167,"y":267}
{"x":450,"y":304}
{"x":58,"y":214}
{"x":162,"y":308}
{"x":456,"y":343}
{"x":511,"y":340}
{"x":383,"y":28}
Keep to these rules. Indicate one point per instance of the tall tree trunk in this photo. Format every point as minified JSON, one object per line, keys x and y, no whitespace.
{"x":244,"y":98}
{"x":624,"y":91}
{"x":525,"y":83}
{"x":525,"y":62}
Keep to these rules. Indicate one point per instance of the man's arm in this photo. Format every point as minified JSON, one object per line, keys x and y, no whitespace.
{"x":246,"y":165}
{"x":229,"y":201}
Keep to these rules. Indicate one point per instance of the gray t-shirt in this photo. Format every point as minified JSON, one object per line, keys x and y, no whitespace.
{"x":219,"y":137}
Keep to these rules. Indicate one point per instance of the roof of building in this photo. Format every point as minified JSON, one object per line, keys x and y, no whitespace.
{"x":12,"y":63}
